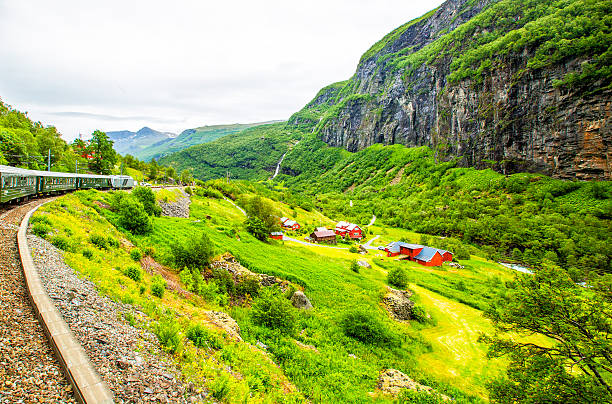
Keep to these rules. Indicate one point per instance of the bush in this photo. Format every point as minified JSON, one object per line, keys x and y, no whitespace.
{"x":366,"y":327}
{"x":99,"y":241}
{"x":354,"y":266}
{"x":203,"y":337}
{"x":419,"y":314}
{"x":87,"y":253}
{"x":113,"y":243}
{"x":256,"y":227}
{"x":397,"y":277}
{"x":135,"y":254}
{"x":62,"y":243}
{"x":462,"y":253}
{"x":271,"y":309}
{"x":248,"y":285}
{"x":133,"y":272}
{"x":353,"y":249}
{"x":194,"y":254}
{"x":150,"y":251}
{"x":167,"y":332}
{"x":224,"y":281}
{"x":146,"y":196}
{"x":158,"y":287}
{"x":41,"y":229}
{"x":133,"y":217}
{"x":40,"y":219}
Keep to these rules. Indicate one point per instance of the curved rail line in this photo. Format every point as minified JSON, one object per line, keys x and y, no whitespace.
{"x":88,"y":386}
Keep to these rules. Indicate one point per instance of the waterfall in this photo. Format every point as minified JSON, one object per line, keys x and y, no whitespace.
{"x":278,"y":166}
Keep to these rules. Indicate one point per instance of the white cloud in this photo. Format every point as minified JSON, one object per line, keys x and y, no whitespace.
{"x":173,"y":65}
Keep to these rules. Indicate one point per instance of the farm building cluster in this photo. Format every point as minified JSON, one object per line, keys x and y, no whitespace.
{"x":421,"y":254}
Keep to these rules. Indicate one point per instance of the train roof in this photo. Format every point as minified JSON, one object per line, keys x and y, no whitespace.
{"x":23,"y":171}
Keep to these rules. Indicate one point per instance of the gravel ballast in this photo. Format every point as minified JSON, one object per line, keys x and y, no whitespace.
{"x":29,"y":371}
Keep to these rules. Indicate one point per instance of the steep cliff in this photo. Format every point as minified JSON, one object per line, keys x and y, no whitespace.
{"x":515,"y":85}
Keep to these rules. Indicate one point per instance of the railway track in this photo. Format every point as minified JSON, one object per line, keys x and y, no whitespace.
{"x":29,"y":370}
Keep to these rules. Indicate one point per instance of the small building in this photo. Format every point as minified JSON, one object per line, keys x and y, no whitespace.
{"x":289,"y":224}
{"x":323,"y":235}
{"x":421,"y":254}
{"x":351,"y":229}
{"x":276,"y":235}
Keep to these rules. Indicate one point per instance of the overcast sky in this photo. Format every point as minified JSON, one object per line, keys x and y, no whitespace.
{"x":173,"y":65}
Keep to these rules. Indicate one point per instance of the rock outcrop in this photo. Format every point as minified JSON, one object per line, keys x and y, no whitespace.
{"x":511,"y":117}
{"x":300,"y":300}
{"x":392,"y":381}
{"x":398,"y":304}
{"x":178,"y":208}
{"x":230,"y":264}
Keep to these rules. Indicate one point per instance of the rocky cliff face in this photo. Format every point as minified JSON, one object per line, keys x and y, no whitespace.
{"x":509,"y":116}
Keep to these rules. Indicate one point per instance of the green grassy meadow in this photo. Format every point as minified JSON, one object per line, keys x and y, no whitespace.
{"x":443,"y":353}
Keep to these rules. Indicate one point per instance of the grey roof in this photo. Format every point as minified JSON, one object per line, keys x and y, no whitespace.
{"x":426,"y":254}
{"x":276,"y":233}
{"x":40,"y":173}
{"x":395,"y":246}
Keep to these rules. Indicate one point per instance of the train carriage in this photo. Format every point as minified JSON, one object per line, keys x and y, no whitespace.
{"x":16,"y":184}
{"x":122,"y":181}
{"x":93,"y":181}
{"x":50,"y":182}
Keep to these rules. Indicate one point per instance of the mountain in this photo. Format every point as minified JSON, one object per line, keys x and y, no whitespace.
{"x":250,"y":154}
{"x":192,"y":137}
{"x":127,"y":142}
{"x":515,"y":85}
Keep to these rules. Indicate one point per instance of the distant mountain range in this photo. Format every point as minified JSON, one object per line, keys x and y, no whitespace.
{"x":148,"y":144}
{"x":128,"y":142}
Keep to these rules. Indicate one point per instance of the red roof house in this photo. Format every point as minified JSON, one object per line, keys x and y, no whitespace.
{"x":276,"y":235}
{"x":289,"y":224}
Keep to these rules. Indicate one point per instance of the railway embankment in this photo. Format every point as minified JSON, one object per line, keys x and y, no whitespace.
{"x":29,"y":370}
{"x":127,"y":357}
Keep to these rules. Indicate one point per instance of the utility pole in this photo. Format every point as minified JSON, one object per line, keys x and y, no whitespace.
{"x":76,"y":166}
{"x":49,"y":161}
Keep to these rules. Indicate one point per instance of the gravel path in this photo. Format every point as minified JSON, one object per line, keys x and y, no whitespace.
{"x":128,"y":358}
{"x":29,"y":372}
{"x":237,"y":207}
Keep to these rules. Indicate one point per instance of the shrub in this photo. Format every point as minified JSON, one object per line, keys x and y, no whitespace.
{"x":256,"y":227}
{"x":99,"y":241}
{"x":158,"y":287}
{"x":87,"y":253}
{"x":354,"y":266}
{"x":133,"y":272}
{"x":194,"y":254}
{"x":353,"y":249}
{"x":419,"y":314}
{"x":224,"y":281}
{"x":202,"y":336}
{"x":133,"y":217}
{"x":397,"y":277}
{"x":366,"y":327}
{"x":462,"y":253}
{"x":167,"y":332}
{"x":112,"y":242}
{"x":248,"y":285}
{"x":41,"y":229}
{"x":62,"y":243}
{"x":135,"y":254}
{"x":271,"y":309}
{"x":146,"y":196}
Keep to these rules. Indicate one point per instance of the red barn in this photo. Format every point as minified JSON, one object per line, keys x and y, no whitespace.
{"x":423,"y":255}
{"x":276,"y":235}
{"x":353,"y":230}
{"x":289,"y":224}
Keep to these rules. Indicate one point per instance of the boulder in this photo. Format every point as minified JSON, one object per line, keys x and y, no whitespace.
{"x":226,"y":323}
{"x":398,"y":304}
{"x":364,"y":264}
{"x":392,"y":381}
{"x":300,"y":300}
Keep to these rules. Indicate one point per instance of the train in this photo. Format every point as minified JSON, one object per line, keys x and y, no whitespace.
{"x":19,"y":184}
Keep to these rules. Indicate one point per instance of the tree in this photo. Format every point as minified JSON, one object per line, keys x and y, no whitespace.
{"x":574,"y":361}
{"x":104,"y":156}
{"x":133,"y":217}
{"x":194,"y":254}
{"x":397,"y":277}
{"x":256,"y":227}
{"x":263,"y":219}
{"x":146,"y":196}
{"x":186,"y":177}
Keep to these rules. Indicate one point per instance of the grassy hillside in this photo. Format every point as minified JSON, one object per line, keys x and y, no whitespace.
{"x":522,"y":217}
{"x":191,"y":137}
{"x":250,"y":154}
{"x":318,"y":358}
